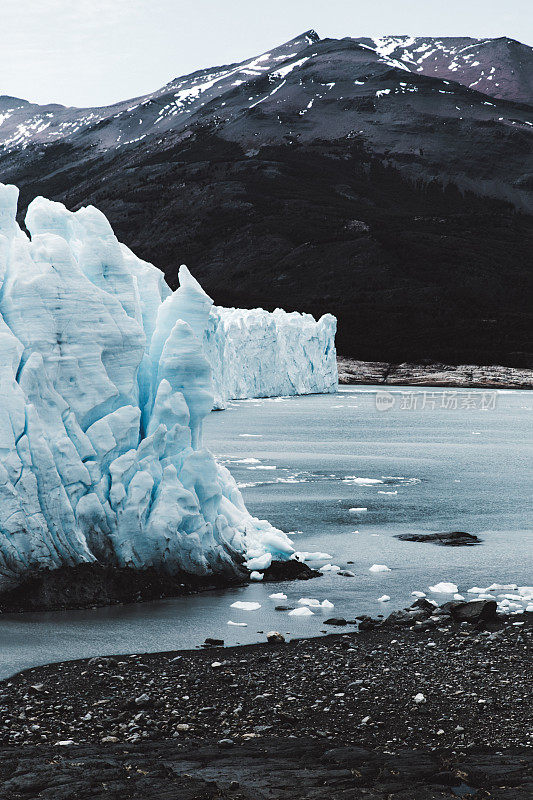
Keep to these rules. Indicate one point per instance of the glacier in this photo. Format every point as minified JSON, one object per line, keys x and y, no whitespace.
{"x":254,"y":353}
{"x":105,"y":378}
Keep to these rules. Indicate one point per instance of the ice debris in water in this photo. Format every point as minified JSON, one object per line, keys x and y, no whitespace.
{"x":304,"y":556}
{"x":444,"y":587}
{"x":384,"y":598}
{"x":278,"y":596}
{"x":256,"y":576}
{"x":418,"y":594}
{"x":357,"y":510}
{"x":312,"y":602}
{"x":237,"y":624}
{"x":302,"y":611}
{"x":379,"y":568}
{"x":246,"y":605}
{"x":104,"y":384}
{"x":330,"y":568}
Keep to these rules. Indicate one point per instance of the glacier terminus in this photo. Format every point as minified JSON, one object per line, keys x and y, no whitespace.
{"x":105,"y":378}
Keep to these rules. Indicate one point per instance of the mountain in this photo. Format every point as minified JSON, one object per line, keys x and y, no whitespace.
{"x":350,"y":176}
{"x":502,"y":67}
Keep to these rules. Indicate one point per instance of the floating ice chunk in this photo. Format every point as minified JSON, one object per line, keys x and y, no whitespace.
{"x":384,"y":598}
{"x":278,"y":596}
{"x":477,"y":590}
{"x":246,"y":605}
{"x":302,"y":611}
{"x":237,"y":624}
{"x":330,"y":568}
{"x":444,"y":587}
{"x":458,"y":597}
{"x":419,"y":698}
{"x":361,"y":481}
{"x":379,"y":568}
{"x":357,"y":510}
{"x":500,"y":587}
{"x":418,"y":594}
{"x":327,"y":604}
{"x":529,"y":607}
{"x":256,"y":576}
{"x":309,"y":601}
{"x":304,"y":556}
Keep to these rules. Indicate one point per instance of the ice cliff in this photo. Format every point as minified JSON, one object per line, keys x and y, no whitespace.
{"x":257,"y":354}
{"x":104,"y":382}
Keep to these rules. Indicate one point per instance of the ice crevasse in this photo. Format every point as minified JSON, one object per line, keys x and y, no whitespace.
{"x":104,"y":383}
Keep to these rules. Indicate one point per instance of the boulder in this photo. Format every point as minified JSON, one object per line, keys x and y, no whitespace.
{"x":473,"y":611}
{"x":400,"y":618}
{"x":449,"y":539}
{"x":275,"y":636}
{"x":289,"y":571}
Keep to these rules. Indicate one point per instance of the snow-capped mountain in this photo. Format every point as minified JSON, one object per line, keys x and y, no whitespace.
{"x":352,"y":176}
{"x":502,"y":67}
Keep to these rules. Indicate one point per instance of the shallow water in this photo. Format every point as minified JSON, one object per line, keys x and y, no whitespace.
{"x":440,"y":469}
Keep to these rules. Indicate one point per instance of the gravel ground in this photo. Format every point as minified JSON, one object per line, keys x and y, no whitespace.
{"x":450,"y":692}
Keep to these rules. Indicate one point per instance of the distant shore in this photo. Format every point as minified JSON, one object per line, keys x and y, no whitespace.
{"x":464,"y":376}
{"x":425,"y":712}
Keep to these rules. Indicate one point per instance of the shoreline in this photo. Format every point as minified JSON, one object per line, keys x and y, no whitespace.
{"x":339,"y":710}
{"x":88,"y":586}
{"x":463,"y":376}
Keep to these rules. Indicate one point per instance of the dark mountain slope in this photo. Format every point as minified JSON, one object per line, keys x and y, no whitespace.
{"x":320,"y":176}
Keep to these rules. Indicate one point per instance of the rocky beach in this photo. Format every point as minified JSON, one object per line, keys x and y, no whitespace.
{"x":420,"y":706}
{"x":463,"y":376}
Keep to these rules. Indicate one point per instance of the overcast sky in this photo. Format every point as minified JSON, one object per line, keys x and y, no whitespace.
{"x":95,"y":52}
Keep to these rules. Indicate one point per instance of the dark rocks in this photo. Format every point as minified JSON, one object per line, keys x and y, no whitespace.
{"x":473,"y":611}
{"x":289,"y":571}
{"x":275,"y":637}
{"x":89,"y":585}
{"x":209,"y":642}
{"x":340,"y":621}
{"x":226,"y":743}
{"x":274,"y":766}
{"x":401,"y":618}
{"x":451,"y":539}
{"x":425,"y":605}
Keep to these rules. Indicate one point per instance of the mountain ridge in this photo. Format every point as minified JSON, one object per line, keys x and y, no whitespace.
{"x":321,"y":176}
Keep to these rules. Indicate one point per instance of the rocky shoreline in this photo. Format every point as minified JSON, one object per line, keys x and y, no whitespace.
{"x":464,"y":376}
{"x":94,"y":585}
{"x":418,"y":707}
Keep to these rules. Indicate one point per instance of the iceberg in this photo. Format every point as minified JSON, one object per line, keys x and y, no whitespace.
{"x":104,"y":383}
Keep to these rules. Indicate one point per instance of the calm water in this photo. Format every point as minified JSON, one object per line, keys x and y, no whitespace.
{"x":440,"y":469}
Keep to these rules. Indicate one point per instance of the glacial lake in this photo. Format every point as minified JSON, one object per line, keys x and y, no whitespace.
{"x":433,"y":460}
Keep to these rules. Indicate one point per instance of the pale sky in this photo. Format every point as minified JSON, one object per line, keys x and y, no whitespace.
{"x":96,"y":52}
